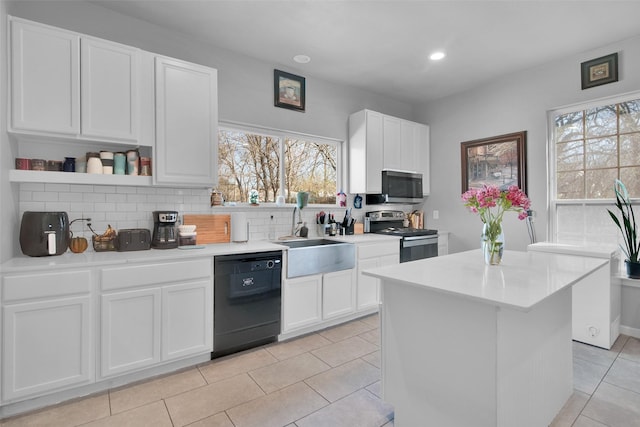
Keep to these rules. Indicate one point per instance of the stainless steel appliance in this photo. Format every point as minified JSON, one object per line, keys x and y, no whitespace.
{"x":398,"y":187}
{"x":44,"y":233}
{"x":165,"y":235}
{"x":246,"y":299}
{"x":416,"y":243}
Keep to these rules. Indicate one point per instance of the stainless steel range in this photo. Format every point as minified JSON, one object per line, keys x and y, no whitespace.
{"x":416,"y":243}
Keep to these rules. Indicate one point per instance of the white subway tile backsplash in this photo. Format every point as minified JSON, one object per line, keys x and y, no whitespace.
{"x":104,"y":189}
{"x":56,"y":187}
{"x":132,"y":207}
{"x":32,"y":186}
{"x":126,"y":190}
{"x":69,"y":197}
{"x":44,"y":196}
{"x":116,"y":198}
{"x":94,"y":197}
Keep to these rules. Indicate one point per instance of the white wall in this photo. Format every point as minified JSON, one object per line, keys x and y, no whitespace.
{"x":513,"y":103}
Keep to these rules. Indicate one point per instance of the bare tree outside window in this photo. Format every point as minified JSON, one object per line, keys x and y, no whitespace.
{"x":596,"y":146}
{"x":249,"y":161}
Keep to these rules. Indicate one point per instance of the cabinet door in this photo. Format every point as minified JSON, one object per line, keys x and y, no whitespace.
{"x":109,"y":90}
{"x":45,"y":79}
{"x":187,"y":319}
{"x":392,"y":143}
{"x":130,"y":330}
{"x":424,"y":156}
{"x":368,"y":287}
{"x":338,"y":294}
{"x":186,"y":124}
{"x":302,"y":302}
{"x":374,"y":153}
{"x":47,"y":345}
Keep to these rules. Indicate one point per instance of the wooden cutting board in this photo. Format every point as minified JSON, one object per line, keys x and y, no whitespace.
{"x":210,"y":228}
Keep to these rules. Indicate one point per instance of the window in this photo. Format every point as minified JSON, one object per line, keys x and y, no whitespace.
{"x":274,"y":163}
{"x":591,"y":147}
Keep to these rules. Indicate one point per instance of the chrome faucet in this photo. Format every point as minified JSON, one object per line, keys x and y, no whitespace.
{"x":293,"y":222}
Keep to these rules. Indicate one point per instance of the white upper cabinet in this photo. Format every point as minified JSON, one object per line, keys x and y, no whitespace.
{"x":44,"y":79}
{"x":109,"y":90}
{"x":377,"y":142}
{"x":68,"y":85}
{"x":392,"y":144}
{"x":186,"y":123}
{"x":365,"y":152}
{"x":414,"y":143}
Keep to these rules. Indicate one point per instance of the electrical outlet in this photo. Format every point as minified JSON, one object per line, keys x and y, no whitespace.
{"x":436,"y":214}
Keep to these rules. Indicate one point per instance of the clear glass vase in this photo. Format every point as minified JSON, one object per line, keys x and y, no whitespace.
{"x":492,"y":243}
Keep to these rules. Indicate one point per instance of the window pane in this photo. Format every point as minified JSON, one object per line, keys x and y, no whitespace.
{"x":631,"y":179}
{"x":630,"y":149}
{"x":570,"y":155}
{"x":630,"y":116}
{"x":600,"y":183}
{"x":601,"y":152}
{"x":571,"y":185}
{"x":601,"y":121}
{"x":311,"y":167}
{"x":248,"y":162}
{"x":569,"y":127}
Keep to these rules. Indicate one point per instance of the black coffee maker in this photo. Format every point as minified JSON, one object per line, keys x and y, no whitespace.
{"x":165,"y":235}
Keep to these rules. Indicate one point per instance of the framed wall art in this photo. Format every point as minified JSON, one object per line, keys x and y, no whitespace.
{"x":599,"y":71}
{"x":288,"y":90}
{"x":499,"y":160}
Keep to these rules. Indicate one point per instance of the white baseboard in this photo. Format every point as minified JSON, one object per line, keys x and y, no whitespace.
{"x":632,"y":332}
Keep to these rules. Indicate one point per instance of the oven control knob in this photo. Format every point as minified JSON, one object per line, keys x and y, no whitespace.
{"x":270,"y":264}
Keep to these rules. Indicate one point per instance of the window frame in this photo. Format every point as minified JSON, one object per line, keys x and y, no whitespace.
{"x":552,"y":201}
{"x":283,"y":135}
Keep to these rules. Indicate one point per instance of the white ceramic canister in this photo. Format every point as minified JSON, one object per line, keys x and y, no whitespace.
{"x":94,"y":164}
{"x":107,"y":162}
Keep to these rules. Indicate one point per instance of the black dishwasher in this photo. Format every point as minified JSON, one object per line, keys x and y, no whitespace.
{"x":246,"y":301}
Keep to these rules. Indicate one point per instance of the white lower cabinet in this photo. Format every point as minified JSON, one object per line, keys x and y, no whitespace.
{"x":372,"y":255}
{"x":302,"y":302}
{"x":187,"y":319}
{"x":338,"y":294}
{"x":130,"y":330}
{"x":168,"y":316}
{"x":311,"y":300}
{"x":47,"y":333}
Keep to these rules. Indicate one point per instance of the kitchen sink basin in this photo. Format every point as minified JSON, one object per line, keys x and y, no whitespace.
{"x":314,"y":256}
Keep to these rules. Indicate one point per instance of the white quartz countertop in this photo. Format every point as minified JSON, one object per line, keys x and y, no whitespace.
{"x":90,"y":258}
{"x":521,"y":281}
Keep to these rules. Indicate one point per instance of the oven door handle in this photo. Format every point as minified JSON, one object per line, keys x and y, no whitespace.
{"x":408,"y":242}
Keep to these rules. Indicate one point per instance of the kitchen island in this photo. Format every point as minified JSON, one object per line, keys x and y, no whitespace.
{"x":464,"y":344}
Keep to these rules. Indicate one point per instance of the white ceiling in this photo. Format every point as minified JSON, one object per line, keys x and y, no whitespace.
{"x":382,"y":46}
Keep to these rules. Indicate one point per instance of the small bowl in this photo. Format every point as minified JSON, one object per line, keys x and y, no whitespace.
{"x":186,"y":228}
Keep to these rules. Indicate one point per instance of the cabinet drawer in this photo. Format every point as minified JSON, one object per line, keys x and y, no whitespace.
{"x":378,"y":250}
{"x":28,"y":286}
{"x":156,"y":273}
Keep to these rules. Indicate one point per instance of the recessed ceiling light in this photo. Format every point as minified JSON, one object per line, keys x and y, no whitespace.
{"x":436,"y":56}
{"x":302,"y":59}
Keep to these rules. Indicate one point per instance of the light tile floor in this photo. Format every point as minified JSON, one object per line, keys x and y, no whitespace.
{"x":327,"y":379}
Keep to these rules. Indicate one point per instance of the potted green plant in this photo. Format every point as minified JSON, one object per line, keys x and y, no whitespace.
{"x":628,"y":229}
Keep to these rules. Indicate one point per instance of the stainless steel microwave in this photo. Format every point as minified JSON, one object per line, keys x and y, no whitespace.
{"x":400,"y":187}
